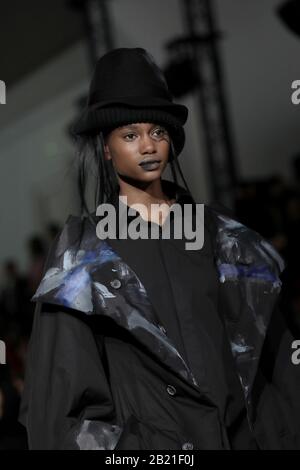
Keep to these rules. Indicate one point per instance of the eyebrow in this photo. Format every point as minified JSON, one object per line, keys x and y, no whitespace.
{"x":135,"y":126}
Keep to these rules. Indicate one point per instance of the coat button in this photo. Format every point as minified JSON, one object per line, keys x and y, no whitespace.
{"x":171,"y":390}
{"x":187,"y":446}
{"x":116,"y":283}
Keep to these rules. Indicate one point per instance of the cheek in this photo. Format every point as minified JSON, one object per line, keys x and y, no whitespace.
{"x":164,"y":150}
{"x":125,"y":157}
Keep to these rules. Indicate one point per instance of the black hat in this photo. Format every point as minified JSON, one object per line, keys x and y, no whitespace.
{"x":127,"y":86}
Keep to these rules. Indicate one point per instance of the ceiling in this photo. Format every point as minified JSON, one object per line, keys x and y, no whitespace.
{"x":32,"y":32}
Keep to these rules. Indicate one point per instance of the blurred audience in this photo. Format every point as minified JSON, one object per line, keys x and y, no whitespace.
{"x":16,"y":316}
{"x":272,"y":208}
{"x":37,"y":254}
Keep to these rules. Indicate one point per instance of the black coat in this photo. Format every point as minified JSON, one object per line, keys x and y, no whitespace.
{"x":103,"y":374}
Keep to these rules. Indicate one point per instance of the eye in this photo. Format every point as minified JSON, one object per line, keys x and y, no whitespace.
{"x":129,"y":135}
{"x":160,"y":130}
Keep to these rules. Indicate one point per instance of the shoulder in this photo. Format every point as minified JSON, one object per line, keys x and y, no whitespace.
{"x":237,"y":244}
{"x":72,"y":258}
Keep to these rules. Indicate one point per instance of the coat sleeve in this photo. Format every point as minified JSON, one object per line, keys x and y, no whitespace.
{"x":282,"y":372}
{"x":66,"y":402}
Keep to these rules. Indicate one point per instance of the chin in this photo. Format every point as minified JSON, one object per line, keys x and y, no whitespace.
{"x":146,"y":178}
{"x":151,"y":176}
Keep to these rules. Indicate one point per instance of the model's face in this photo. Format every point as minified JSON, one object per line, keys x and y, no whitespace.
{"x":130,"y":147}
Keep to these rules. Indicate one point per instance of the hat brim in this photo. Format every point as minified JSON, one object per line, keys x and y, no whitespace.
{"x":179,"y":111}
{"x":106,"y":114}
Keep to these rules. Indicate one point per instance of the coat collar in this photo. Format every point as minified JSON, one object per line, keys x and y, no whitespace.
{"x":84,"y":273}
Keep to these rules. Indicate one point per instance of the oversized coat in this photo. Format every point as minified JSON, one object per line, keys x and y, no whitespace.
{"x":103,"y":374}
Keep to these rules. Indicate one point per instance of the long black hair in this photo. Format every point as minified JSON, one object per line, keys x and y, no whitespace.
{"x":96,"y":177}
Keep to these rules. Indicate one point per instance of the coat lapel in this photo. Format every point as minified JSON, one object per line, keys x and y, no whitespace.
{"x":84,"y":273}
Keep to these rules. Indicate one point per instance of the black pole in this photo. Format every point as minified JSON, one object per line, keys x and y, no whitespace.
{"x":220,"y":152}
{"x":97,"y":25}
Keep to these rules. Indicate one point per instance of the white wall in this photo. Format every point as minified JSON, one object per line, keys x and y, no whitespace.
{"x":260,"y":62}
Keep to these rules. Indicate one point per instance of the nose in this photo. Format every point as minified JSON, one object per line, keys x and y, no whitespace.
{"x":147,"y":144}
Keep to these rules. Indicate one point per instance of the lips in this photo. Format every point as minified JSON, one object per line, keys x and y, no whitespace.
{"x":148,"y":161}
{"x":150,"y":165}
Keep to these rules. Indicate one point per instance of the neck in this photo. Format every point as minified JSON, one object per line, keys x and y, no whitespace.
{"x":143,"y":193}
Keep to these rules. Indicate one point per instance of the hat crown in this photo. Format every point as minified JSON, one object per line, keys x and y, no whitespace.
{"x":127,"y":86}
{"x":127,"y":72}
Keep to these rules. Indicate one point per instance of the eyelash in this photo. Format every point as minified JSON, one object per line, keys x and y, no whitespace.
{"x":159,"y":129}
